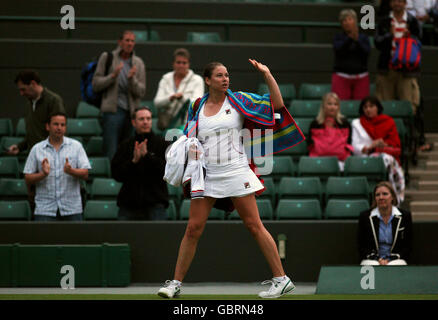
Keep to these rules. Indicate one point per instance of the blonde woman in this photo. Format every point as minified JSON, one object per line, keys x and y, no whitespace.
{"x":330,"y":132}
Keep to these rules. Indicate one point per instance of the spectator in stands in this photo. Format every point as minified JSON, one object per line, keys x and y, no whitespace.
{"x":139,"y":164}
{"x":176,"y":90}
{"x":393,"y":83}
{"x":350,"y":80}
{"x":420,"y":9}
{"x":56,"y":166}
{"x":330,"y":132}
{"x":384,"y":231}
{"x":220,"y":116}
{"x":42,"y":103}
{"x":375,"y":134}
{"x":122,"y":88}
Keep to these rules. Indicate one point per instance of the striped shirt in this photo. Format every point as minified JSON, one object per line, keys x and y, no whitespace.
{"x":399,"y":27}
{"x":58,"y":190}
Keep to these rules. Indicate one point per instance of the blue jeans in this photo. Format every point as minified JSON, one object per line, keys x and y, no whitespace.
{"x":157,"y":212}
{"x":116,"y":128}
{"x":73,"y":217}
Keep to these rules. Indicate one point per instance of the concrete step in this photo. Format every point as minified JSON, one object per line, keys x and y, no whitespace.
{"x":431,"y":165}
{"x":424,"y":206}
{"x":427,"y":185}
{"x":431,"y":137}
{"x":420,"y":174}
{"x":424,"y":216}
{"x":421,"y":195}
{"x":428,"y":156}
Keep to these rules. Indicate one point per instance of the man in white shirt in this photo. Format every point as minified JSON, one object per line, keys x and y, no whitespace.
{"x":56,"y":166}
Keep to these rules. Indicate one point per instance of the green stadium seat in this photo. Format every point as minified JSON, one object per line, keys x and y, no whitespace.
{"x":6,"y":128}
{"x":314,"y":91}
{"x":150,"y":105}
{"x":372,"y":89}
{"x":78,"y":138}
{"x":269,"y":192}
{"x":101,"y":210}
{"x":398,"y":109}
{"x":15,"y":210}
{"x":300,"y":188}
{"x":288,"y":91}
{"x":297,"y":151}
{"x":83,"y":127}
{"x":100,"y":167}
{"x":282,"y":166}
{"x":104,"y":188}
{"x":298,"y":209}
{"x":20,"y":130}
{"x":203,"y":37}
{"x":13,"y":189}
{"x":347,"y":188}
{"x":402,"y":132}
{"x":85,"y":110}
{"x":265,"y":209}
{"x":94,"y":147}
{"x":184,"y":210}
{"x":305,"y":108}
{"x":345,"y":209}
{"x":175,"y":193}
{"x":171,"y":211}
{"x":144,"y":36}
{"x":9,"y":167}
{"x":7,"y":141}
{"x":234,"y":215}
{"x":350,"y":108}
{"x":304,"y":125}
{"x":373,"y":168}
{"x":322,"y":167}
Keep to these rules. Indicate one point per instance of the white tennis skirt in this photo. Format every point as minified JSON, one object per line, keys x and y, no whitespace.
{"x":231,"y":183}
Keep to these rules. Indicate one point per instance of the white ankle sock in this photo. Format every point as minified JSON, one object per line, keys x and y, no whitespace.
{"x":178,"y":283}
{"x":280,"y":278}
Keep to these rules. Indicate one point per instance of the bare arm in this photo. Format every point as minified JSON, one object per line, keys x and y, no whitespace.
{"x":274,"y":90}
{"x":33,"y":178}
{"x":75,"y":172}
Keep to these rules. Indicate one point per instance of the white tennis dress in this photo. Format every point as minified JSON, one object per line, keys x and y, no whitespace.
{"x":227,"y":171}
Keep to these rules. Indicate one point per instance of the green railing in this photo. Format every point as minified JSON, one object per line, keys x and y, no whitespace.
{"x":226,"y":24}
{"x":150,"y":22}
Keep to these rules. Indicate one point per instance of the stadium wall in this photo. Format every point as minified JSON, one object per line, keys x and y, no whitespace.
{"x":226,"y":252}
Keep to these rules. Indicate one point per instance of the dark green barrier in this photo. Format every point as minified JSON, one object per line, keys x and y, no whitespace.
{"x":106,"y":265}
{"x":378,"y":280}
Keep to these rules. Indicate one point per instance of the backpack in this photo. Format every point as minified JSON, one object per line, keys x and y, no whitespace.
{"x":407,"y":55}
{"x":87,"y":73}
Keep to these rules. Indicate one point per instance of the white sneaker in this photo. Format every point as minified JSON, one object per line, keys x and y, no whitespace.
{"x":171,"y":289}
{"x":278,"y":288}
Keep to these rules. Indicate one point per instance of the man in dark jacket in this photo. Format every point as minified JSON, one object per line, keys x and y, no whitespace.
{"x":42,"y":103}
{"x":139,"y":164}
{"x":394,"y":84}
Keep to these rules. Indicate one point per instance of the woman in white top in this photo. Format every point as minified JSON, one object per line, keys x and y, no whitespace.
{"x":228,"y":175}
{"x":176,"y":88}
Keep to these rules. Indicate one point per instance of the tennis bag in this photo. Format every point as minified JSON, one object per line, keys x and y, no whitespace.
{"x":407,"y":55}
